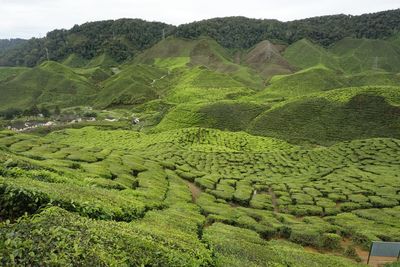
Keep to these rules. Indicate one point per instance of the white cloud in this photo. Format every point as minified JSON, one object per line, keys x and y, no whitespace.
{"x":28,"y":18}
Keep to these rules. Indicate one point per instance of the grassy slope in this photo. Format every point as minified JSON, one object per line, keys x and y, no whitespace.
{"x":75,"y":61}
{"x":348,"y":55}
{"x":175,"y":53}
{"x":337,"y":115}
{"x":358,"y":55}
{"x":304,"y":54}
{"x":311,"y":112}
{"x":200,"y":84}
{"x":193,"y":94}
{"x":50,"y":82}
{"x":314,"y":79}
{"x":203,"y":51}
{"x":229,"y":115}
{"x":135,"y":84}
{"x":8,"y":73}
{"x":320,"y":79}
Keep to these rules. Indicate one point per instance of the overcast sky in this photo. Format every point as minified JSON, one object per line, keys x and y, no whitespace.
{"x":34,"y":18}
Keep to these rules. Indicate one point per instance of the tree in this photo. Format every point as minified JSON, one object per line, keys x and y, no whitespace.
{"x":11,"y":113}
{"x":32,"y":111}
{"x":90,"y":114}
{"x":45,"y":112}
{"x":57,"y":111}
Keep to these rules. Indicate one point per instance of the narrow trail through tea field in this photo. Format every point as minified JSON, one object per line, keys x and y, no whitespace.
{"x":195,"y":190}
{"x":274,"y":201}
{"x":374,"y":261}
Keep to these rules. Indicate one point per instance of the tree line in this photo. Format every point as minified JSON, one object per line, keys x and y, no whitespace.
{"x":6,"y":44}
{"x":123,"y":39}
{"x":243,"y":33}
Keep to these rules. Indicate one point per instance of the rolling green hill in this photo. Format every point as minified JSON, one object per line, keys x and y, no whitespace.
{"x":304,"y":54}
{"x":50,"y":83}
{"x":175,"y":53}
{"x":135,"y":84}
{"x":314,"y":79}
{"x":228,"y":115}
{"x":338,"y":115}
{"x":348,"y":55}
{"x":358,"y":55}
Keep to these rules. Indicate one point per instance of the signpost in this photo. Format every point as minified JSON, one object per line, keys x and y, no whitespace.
{"x":384,"y":249}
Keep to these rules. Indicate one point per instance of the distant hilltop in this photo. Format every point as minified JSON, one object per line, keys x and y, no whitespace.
{"x":124,"y":39}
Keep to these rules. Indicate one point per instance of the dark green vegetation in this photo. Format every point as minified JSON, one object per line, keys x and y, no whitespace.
{"x":280,"y":147}
{"x":124,"y":38}
{"x":119,"y":39}
{"x":6,"y":44}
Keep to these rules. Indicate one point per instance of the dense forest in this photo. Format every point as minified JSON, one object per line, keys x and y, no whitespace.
{"x":240,"y":32}
{"x":6,"y":44}
{"x":122,"y":39}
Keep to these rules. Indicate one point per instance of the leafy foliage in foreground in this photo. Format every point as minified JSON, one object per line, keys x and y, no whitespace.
{"x":57,"y":237}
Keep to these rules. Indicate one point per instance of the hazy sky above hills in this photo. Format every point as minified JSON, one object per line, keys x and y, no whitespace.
{"x":28,"y":18}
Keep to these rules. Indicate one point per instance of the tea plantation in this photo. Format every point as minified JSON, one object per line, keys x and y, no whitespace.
{"x":193,"y":154}
{"x":67,"y":197}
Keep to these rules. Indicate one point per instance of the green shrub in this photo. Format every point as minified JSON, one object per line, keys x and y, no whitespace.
{"x":305,"y":237}
{"x":305,"y":210}
{"x":57,"y":237}
{"x":243,"y":193}
{"x":330,"y":241}
{"x":351,"y":252}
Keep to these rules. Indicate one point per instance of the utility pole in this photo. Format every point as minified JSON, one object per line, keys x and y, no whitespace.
{"x":47,"y":54}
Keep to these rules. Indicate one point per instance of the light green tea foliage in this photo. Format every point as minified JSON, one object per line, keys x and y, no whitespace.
{"x":265,"y":186}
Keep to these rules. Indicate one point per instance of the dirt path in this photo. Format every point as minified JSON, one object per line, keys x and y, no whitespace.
{"x":195,"y":190}
{"x":374,"y":261}
{"x":274,"y":202}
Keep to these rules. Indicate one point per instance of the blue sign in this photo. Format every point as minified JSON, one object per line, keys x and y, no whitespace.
{"x":384,"y":249}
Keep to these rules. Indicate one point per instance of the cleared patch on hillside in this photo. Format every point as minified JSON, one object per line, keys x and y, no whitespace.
{"x":267,"y":60}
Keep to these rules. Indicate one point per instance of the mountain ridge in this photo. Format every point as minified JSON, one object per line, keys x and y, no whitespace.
{"x":124,"y":38}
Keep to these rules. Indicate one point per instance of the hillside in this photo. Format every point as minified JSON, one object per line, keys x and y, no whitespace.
{"x":227,"y":142}
{"x":359,"y":55}
{"x":50,"y":82}
{"x":304,"y":54}
{"x":362,"y":112}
